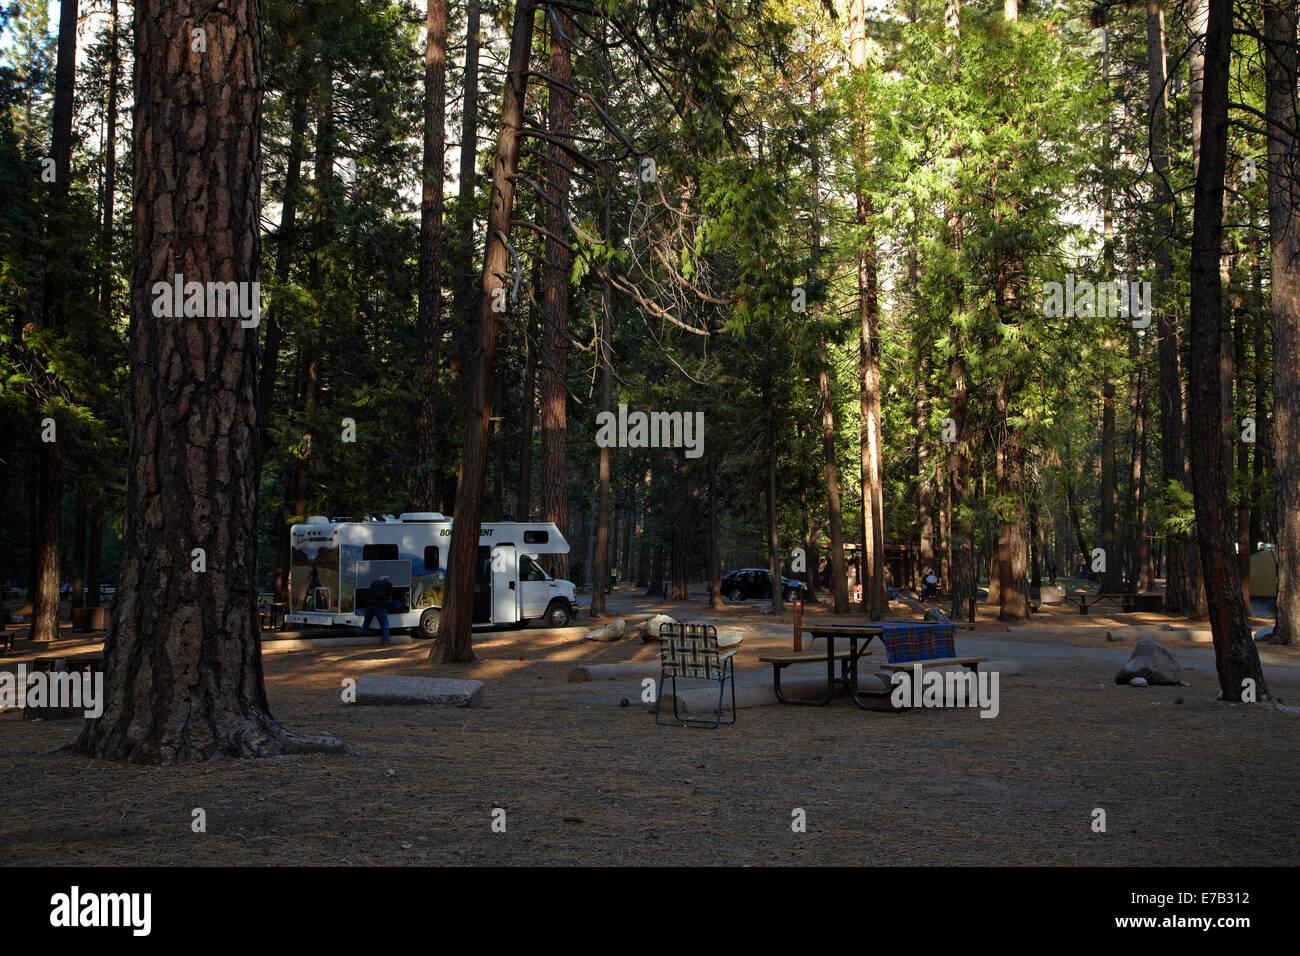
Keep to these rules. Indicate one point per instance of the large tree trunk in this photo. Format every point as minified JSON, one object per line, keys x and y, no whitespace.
{"x":1284,"y":241}
{"x":454,"y":628}
{"x":555,"y":312}
{"x":428,"y":321}
{"x":183,"y":659}
{"x":1236,"y":657}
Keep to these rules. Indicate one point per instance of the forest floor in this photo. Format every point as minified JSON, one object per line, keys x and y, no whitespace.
{"x":1183,"y":779}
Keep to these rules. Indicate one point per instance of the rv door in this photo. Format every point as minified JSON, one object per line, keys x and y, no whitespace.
{"x":505,"y":592}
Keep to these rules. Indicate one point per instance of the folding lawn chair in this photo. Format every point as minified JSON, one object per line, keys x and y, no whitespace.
{"x":690,"y":651}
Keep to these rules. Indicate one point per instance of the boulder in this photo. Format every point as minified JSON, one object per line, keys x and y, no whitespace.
{"x":937,"y":616}
{"x":729,"y":637}
{"x":766,"y":608}
{"x":1138,"y":682}
{"x":613,"y":631}
{"x":650,"y":629}
{"x":1151,"y":661}
{"x":391,"y":689}
{"x":1264,"y":634}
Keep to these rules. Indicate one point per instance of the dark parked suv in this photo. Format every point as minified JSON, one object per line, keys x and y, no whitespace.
{"x":757,"y":583}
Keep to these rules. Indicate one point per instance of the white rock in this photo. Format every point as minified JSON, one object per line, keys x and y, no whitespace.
{"x":612,"y":631}
{"x":650,"y":629}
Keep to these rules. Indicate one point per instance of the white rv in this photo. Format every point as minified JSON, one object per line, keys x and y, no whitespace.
{"x":333,"y":562}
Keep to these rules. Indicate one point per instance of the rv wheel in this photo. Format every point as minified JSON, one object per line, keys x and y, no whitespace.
{"x":428,"y":628}
{"x":557,"y":615}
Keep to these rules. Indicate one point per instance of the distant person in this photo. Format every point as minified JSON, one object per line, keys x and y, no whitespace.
{"x":1051,"y":572}
{"x":378,"y":596}
{"x":930,"y":586}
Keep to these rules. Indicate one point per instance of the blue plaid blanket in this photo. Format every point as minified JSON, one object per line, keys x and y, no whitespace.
{"x":910,"y":641}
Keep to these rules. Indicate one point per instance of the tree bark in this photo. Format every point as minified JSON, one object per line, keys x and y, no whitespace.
{"x":428,"y":321}
{"x":1284,"y":243}
{"x":183,"y":661}
{"x":1236,"y":657}
{"x":454,"y":627}
{"x":555,"y":311}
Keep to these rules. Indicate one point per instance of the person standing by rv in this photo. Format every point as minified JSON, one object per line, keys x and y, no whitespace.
{"x":378,"y":595}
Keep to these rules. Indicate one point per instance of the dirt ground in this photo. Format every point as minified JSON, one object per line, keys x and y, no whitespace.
{"x":1183,"y":779}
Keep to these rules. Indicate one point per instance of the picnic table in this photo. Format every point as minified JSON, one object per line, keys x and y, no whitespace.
{"x":907,"y":644}
{"x":272,"y":615}
{"x":848,"y":659}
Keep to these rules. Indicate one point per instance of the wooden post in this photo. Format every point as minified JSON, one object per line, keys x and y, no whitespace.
{"x":798,"y":624}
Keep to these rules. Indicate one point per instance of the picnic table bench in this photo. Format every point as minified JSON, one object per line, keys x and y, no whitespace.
{"x":56,"y":665}
{"x":1090,"y":599}
{"x":846,"y":656}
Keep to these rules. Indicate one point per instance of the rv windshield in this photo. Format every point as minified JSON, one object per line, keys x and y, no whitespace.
{"x":530,"y":570}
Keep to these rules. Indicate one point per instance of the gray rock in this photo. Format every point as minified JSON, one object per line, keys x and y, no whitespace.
{"x":650,"y":629}
{"x":1138,"y":682}
{"x":937,"y":616}
{"x":1264,"y":634}
{"x":766,"y":608}
{"x":612,"y":631}
{"x":1006,"y":668}
{"x":1151,"y":661}
{"x":391,"y":689}
{"x":729,"y":637}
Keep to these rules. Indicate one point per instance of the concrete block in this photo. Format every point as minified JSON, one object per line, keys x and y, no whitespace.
{"x":391,"y":689}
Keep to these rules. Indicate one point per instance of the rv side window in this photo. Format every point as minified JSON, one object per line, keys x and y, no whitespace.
{"x":536,"y":537}
{"x":529,"y":571}
{"x":379,"y":552}
{"x":431,"y":558}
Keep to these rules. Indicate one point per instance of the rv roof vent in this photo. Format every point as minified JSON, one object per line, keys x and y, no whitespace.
{"x":317,"y":519}
{"x":422,"y":516}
